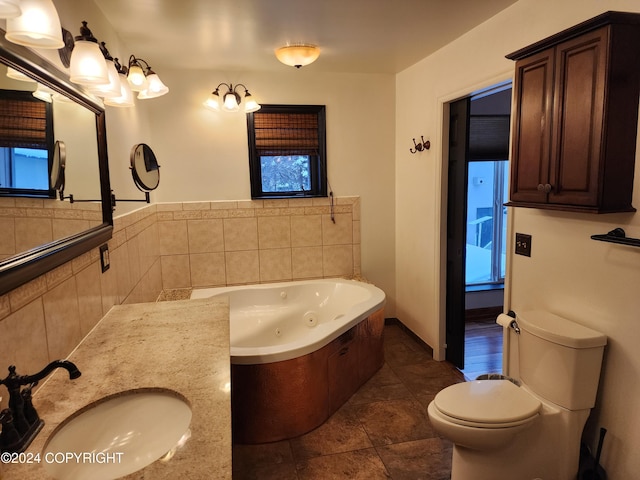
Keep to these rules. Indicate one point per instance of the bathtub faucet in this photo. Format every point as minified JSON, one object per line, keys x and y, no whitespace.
{"x":20,"y":422}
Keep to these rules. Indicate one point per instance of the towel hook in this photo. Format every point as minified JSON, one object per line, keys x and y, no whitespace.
{"x":422,"y":145}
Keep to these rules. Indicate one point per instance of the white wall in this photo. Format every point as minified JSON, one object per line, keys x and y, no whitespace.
{"x":203,"y":155}
{"x":591,"y":282}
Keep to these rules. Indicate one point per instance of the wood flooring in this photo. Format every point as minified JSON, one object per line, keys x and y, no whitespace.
{"x":482,"y":348}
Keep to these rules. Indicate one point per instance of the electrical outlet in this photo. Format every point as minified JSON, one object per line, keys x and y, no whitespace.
{"x":104,"y":257}
{"x":523,"y":244}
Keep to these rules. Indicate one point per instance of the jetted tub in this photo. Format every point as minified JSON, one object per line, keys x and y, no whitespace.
{"x":299,"y":350}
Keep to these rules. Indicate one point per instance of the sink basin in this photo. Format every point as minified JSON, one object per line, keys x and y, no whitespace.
{"x":117,"y":435}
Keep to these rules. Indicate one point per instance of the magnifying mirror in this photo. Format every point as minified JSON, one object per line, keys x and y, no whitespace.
{"x":144,"y":167}
{"x":58,"y":166}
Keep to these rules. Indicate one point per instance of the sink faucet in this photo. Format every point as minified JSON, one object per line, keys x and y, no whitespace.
{"x":20,"y":422}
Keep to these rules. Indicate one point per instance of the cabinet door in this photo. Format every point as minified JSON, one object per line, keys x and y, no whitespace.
{"x":533,"y":87}
{"x":580,"y":75}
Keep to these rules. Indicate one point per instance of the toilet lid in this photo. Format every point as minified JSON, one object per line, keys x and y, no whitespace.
{"x":487,"y":402}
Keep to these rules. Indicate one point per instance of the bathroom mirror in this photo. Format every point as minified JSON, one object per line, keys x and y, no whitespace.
{"x":79,"y":125}
{"x":144,"y":167}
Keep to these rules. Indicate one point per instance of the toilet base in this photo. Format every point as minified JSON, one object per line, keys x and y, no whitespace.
{"x":549,"y":450}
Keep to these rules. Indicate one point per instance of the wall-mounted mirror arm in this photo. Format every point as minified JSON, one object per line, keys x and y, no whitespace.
{"x":147,"y":199}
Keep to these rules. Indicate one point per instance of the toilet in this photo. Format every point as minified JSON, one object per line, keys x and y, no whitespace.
{"x":531,"y":428}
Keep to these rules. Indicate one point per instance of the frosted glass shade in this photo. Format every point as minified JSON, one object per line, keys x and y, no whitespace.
{"x":297,"y":55}
{"x":111,"y":89}
{"x":43,"y":93}
{"x":37,"y":27}
{"x":10,"y":8}
{"x":88,"y":66}
{"x":136,"y":78}
{"x":155,"y":88}
{"x":213,"y":102}
{"x":16,"y":75}
{"x":230,"y":103}
{"x":126,"y":95}
{"x":250,"y":104}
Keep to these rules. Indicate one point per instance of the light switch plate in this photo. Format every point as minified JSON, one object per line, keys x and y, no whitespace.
{"x":523,"y":244}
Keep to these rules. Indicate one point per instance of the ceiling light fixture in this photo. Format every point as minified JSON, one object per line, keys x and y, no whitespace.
{"x":37,"y":26}
{"x":231,"y":99}
{"x":145,"y":80}
{"x":88,"y":65}
{"x":297,"y":55}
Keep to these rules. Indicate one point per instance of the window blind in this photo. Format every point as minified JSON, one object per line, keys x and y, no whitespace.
{"x":23,"y":121}
{"x":489,"y":137}
{"x":286,"y":133}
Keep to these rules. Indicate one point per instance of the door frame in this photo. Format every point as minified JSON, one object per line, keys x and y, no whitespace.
{"x":440,"y":232}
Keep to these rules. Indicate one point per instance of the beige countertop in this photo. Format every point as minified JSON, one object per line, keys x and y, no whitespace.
{"x":181,"y":345}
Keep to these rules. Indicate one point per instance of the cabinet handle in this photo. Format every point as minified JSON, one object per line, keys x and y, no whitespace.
{"x":547,"y":188}
{"x":540,"y":187}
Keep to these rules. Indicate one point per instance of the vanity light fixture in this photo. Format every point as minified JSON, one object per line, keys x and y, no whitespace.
{"x":113,"y":88}
{"x":145,"y":80}
{"x":88,"y":66}
{"x":16,"y":75}
{"x":126,"y":95}
{"x":298,"y":54}
{"x":230,"y":101}
{"x":37,"y":26}
{"x":10,"y":8}
{"x":43,"y":93}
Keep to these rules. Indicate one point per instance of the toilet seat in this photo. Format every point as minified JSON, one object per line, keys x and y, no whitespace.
{"x":487,"y":404}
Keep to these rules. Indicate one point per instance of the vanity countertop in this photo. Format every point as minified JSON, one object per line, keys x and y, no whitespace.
{"x":181,"y":345}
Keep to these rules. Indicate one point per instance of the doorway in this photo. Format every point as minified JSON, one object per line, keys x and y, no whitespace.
{"x":476,"y":223}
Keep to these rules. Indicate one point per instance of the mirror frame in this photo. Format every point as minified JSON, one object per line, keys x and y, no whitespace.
{"x":137,"y":176}
{"x":26,"y":266}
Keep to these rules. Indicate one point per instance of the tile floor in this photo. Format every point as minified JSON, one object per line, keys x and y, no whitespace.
{"x":382,"y":432}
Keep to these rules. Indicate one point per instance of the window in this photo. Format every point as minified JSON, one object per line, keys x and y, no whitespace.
{"x":287,"y":151}
{"x":26,"y":133}
{"x":487,"y":187}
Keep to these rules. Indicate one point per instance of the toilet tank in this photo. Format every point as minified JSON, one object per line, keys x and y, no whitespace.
{"x":560,"y":360}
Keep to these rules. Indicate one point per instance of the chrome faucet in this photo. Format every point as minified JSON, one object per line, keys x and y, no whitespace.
{"x":20,"y":422}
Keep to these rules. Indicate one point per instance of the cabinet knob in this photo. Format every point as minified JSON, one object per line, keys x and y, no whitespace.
{"x":546,"y":188}
{"x":540,"y":187}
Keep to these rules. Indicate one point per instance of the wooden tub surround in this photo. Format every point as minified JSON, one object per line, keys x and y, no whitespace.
{"x":285,"y":399}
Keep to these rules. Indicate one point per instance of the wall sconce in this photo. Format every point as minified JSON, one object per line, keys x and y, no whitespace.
{"x":88,"y":66}
{"x":231,"y":99}
{"x":10,"y":8}
{"x":37,"y":26}
{"x":297,"y":55}
{"x":147,"y":82}
{"x":126,"y":95}
{"x":420,"y":146}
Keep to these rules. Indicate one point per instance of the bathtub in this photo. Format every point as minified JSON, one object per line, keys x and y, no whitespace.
{"x":299,"y":351}
{"x":273,"y":322}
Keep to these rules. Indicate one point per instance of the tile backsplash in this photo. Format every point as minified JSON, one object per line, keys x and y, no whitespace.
{"x":174,"y":246}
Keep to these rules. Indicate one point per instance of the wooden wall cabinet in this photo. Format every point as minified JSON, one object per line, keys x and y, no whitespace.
{"x":576,"y":117}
